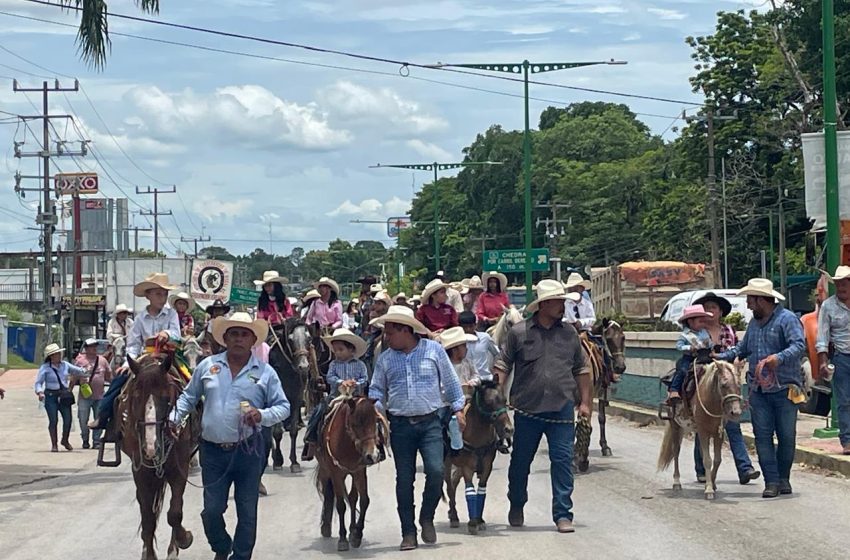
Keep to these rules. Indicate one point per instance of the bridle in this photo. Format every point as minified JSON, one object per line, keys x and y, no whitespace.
{"x":490,"y":415}
{"x":287,"y":351}
{"x":723,"y":400}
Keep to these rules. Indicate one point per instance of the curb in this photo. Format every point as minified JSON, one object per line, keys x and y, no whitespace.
{"x":804,"y":455}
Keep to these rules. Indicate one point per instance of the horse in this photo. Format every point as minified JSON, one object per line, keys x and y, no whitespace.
{"x":119,"y":352}
{"x":320,"y":358}
{"x":192,"y":351}
{"x":607,"y":362}
{"x":348,"y":443}
{"x":289,"y":344}
{"x":487,"y":421}
{"x":499,"y":331}
{"x":717,"y":400}
{"x":157,"y":458}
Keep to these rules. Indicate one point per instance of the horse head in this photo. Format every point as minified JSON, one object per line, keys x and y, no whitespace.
{"x":490,"y":403}
{"x":729,"y":389}
{"x":615,"y":345}
{"x":192,"y":351}
{"x":298,"y":339}
{"x":151,"y":401}
{"x":362,"y":428}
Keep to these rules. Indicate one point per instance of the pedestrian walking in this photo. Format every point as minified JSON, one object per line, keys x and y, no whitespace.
{"x":834,"y":332}
{"x":773,"y":346}
{"x":241,"y":396}
{"x":91,"y":386}
{"x":408,"y":383}
{"x":549,"y":366}
{"x":52,"y":386}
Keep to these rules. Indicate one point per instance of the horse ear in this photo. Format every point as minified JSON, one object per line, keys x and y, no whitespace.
{"x":165,"y":366}
{"x":134,"y":365}
{"x":605,"y":322}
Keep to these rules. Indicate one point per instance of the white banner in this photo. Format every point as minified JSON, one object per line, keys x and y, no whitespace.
{"x":211,"y":280}
{"x":815,"y":175}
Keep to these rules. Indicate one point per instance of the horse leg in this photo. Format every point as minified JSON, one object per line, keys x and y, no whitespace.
{"x":146,"y":494}
{"x":277,"y":456}
{"x":451,"y":489}
{"x":483,"y":477}
{"x":352,"y":497}
{"x":704,"y":439}
{"x":677,"y":446}
{"x":361,"y":482}
{"x":327,"y":507}
{"x":603,"y":439}
{"x":471,"y":499}
{"x":341,"y":497}
{"x":180,"y":537}
{"x":718,"y":457}
{"x":294,"y":466}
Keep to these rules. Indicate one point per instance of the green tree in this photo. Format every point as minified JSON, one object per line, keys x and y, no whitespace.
{"x":93,"y":35}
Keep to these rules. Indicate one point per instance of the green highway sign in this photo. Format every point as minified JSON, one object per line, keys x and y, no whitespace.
{"x":513,"y":260}
{"x":243,"y":296}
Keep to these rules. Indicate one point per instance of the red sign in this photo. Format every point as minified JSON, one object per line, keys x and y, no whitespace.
{"x":75,"y":183}
{"x":95,"y":203}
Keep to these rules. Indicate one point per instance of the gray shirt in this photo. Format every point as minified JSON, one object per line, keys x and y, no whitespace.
{"x":833,"y":326}
{"x":546,"y":362}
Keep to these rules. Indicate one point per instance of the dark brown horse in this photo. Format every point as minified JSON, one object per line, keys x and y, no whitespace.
{"x":320,"y":358}
{"x":157,"y":458}
{"x":487,"y":421}
{"x":348,"y":443}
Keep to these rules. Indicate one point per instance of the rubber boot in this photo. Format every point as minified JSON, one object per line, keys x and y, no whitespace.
{"x":53,"y":439}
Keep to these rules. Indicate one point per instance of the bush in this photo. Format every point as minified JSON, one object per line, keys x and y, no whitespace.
{"x":736,"y":321}
{"x":11,"y":311}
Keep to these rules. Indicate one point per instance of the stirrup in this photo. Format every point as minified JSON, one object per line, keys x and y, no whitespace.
{"x":116,"y":461}
{"x":666,"y":411}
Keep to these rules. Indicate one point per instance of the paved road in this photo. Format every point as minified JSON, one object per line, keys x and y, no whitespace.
{"x":62,"y":506}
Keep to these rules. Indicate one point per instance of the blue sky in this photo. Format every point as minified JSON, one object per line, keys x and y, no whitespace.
{"x":250,"y":142}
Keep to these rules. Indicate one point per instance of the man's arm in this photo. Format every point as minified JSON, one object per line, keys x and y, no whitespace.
{"x":505,"y":362}
{"x":822,"y":344}
{"x":190,"y":396}
{"x":740,"y":351}
{"x":795,"y":342}
{"x":277,"y":406}
{"x":378,"y":387}
{"x":134,"y":341}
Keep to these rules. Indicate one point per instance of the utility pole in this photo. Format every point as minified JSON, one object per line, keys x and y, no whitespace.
{"x":136,"y":230}
{"x":47,"y":212}
{"x":783,"y":269}
{"x":195,"y":240}
{"x":156,"y":213}
{"x":483,"y":239}
{"x":552,"y":233}
{"x":725,"y":233}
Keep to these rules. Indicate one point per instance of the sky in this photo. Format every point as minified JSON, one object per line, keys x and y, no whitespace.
{"x":259,"y":145}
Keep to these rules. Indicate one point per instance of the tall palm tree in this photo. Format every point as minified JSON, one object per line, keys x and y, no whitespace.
{"x":93,"y":35}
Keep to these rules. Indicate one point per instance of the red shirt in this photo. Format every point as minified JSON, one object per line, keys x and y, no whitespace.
{"x":490,"y":306}
{"x":437,"y":318}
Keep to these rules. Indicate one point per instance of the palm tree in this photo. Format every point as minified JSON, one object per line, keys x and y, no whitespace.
{"x":93,"y":35}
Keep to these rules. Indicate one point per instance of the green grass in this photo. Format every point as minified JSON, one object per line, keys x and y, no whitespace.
{"x":16,"y":362}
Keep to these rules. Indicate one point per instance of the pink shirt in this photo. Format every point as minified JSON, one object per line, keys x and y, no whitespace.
{"x":101,"y":374}
{"x":261,"y":352}
{"x":324,"y":315}
{"x":490,"y":306}
{"x":272,"y":315}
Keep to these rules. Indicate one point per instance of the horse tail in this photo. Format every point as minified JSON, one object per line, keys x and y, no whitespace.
{"x":670,"y":445}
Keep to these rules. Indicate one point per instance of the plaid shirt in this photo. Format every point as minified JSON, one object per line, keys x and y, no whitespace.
{"x":834,"y":326}
{"x":342,"y":371}
{"x":782,"y":335}
{"x":410,"y":384}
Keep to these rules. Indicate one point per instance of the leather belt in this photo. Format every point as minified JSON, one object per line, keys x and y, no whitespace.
{"x":227,"y":446}
{"x":416,"y":419}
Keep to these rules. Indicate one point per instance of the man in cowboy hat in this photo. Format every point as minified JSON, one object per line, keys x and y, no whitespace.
{"x":834,"y":329}
{"x":549,"y":366}
{"x":120,"y":323}
{"x":773,"y":346}
{"x":408,"y":383}
{"x":241,"y":396}
{"x":454,"y":298}
{"x":217,"y":309}
{"x":581,"y":312}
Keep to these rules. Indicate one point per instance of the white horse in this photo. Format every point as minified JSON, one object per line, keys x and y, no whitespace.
{"x":192,"y":351}
{"x":509,"y":318}
{"x":119,"y":352}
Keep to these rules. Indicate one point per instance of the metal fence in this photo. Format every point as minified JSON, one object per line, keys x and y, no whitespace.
{"x":20,"y":292}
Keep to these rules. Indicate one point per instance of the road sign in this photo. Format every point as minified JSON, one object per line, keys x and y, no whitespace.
{"x":243,"y":296}
{"x":75,"y":183}
{"x":211,"y":280}
{"x":395,"y":225}
{"x":513,"y":260}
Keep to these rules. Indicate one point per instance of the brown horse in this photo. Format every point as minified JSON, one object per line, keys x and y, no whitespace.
{"x":157,"y":458}
{"x":348,"y":443}
{"x":487,"y":421}
{"x":717,"y":400}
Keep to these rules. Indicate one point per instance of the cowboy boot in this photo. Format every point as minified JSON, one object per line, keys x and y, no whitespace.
{"x":53,"y":439}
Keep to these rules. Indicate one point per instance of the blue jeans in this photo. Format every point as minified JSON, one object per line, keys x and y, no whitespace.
{"x":841,"y":386}
{"x":54,"y":409}
{"x":406,"y":439}
{"x":107,"y":409}
{"x":221,"y":468}
{"x":683,"y":364}
{"x":774,"y":413}
{"x":561,"y":438}
{"x":736,"y":444}
{"x":85,"y":407}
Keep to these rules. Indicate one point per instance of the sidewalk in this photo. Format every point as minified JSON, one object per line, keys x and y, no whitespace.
{"x":816,"y":452}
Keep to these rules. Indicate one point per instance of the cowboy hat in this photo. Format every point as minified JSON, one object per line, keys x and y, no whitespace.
{"x":121,"y":308}
{"x":475,"y":283}
{"x":575,"y":280}
{"x":271,"y":276}
{"x":310,"y":296}
{"x":325,"y":281}
{"x":51,"y":349}
{"x":90,"y":342}
{"x":723,"y":303}
{"x":218,"y":305}
{"x":760,"y":287}
{"x":368,"y":279}
{"x":693,"y":312}
{"x":503,"y":280}
{"x":220,"y":325}
{"x":546,"y":290}
{"x":346,"y":335}
{"x":155,"y":280}
{"x":841,"y":273}
{"x":415,"y":298}
{"x":398,"y":296}
{"x":383,"y":296}
{"x":431,"y":288}
{"x":375,"y":288}
{"x":402,"y":315}
{"x":455,"y":336}
{"x":172,"y":299}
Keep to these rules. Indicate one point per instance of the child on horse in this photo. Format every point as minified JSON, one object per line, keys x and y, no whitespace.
{"x":693,"y":338}
{"x":183,"y":304}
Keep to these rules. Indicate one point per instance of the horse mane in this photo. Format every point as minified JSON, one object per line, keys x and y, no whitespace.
{"x":149,"y":372}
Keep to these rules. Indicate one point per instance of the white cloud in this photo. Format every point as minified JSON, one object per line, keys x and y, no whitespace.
{"x":429,"y":150}
{"x":671,"y":15}
{"x":632,"y":37}
{"x":211,"y":207}
{"x":372,"y":209}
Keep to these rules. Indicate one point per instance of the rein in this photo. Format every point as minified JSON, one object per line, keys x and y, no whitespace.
{"x":286,"y":350}
{"x":723,"y":400}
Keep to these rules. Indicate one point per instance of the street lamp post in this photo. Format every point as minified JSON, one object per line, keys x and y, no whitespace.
{"x":525,"y":68}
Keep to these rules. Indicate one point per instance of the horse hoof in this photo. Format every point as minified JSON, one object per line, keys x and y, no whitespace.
{"x":606,"y":452}
{"x":326,"y":531}
{"x":342,"y":545}
{"x":295,"y":468}
{"x":454,"y":523}
{"x":356,"y":539}
{"x":277,"y":467}
{"x":187,"y":541}
{"x":472,"y":527}
{"x":709,"y":495}
{"x":677,"y":487}
{"x":583,"y":465}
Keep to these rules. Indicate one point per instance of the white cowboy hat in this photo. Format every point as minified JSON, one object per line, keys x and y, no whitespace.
{"x":383,"y":296}
{"x":415,"y":297}
{"x":375,"y":288}
{"x":398,"y":296}
{"x":402,"y":315}
{"x":475,"y":283}
{"x":760,"y":287}
{"x":575,"y":279}
{"x":310,"y":296}
{"x":325,"y":281}
{"x":574,"y":297}
{"x":121,"y":308}
{"x":155,"y":280}
{"x":546,"y":290}
{"x":260,"y":328}
{"x":346,"y":335}
{"x":172,"y":299}
{"x":841,"y":273}
{"x":271,"y":276}
{"x":90,"y":342}
{"x":692,"y":312}
{"x":503,"y":280}
{"x":51,"y":349}
{"x":455,"y":336}
{"x":432,"y":287}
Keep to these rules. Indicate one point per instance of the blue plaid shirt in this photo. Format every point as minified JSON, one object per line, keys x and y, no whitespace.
{"x":342,"y":371}
{"x":410,"y":384}
{"x":782,"y":335}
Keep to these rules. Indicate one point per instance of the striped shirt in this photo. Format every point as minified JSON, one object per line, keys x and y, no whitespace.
{"x":482,"y":353}
{"x":833,"y":326}
{"x":409,"y":384}
{"x":340,"y":371}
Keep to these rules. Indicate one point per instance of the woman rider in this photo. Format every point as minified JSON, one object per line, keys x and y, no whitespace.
{"x":492,"y":303}
{"x":327,"y":309}
{"x":273,"y":305}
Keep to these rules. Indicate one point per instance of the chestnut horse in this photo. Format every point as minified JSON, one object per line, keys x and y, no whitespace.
{"x":158,"y":459}
{"x":348,"y":443}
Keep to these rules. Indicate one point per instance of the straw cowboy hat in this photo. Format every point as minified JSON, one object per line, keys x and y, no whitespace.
{"x":398,"y":296}
{"x":172,"y":299}
{"x":575,"y":280}
{"x":260,"y":328}
{"x":693,"y":312}
{"x":375,"y":288}
{"x":415,"y":298}
{"x":310,"y":296}
{"x":841,"y":273}
{"x":271,"y":276}
{"x":503,"y":280}
{"x":155,"y":280}
{"x":121,"y":308}
{"x":431,"y":288}
{"x":346,"y":335}
{"x":325,"y":281}
{"x":51,"y":349}
{"x":455,"y":336}
{"x":475,"y":283}
{"x":546,"y":290}
{"x":383,"y":296}
{"x":402,"y":315}
{"x":760,"y":287}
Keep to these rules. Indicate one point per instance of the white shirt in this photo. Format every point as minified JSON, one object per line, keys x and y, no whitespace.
{"x":482,"y":353}
{"x":454,"y":299}
{"x":583,"y":311}
{"x":148,"y":326}
{"x":114,"y":331}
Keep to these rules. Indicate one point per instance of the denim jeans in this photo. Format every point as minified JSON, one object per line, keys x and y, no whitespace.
{"x":736,"y":444}
{"x":841,"y":386}
{"x":774,"y":413}
{"x":106,"y":409}
{"x":221,"y":468}
{"x":54,"y":409}
{"x":560,"y":437}
{"x":683,"y":364}
{"x":85,"y":407}
{"x":406,"y":439}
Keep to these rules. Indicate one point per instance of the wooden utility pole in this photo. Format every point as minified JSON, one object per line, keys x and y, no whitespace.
{"x":195,"y":240}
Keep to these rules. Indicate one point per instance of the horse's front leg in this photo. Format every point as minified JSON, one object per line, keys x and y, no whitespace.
{"x":341,"y":497}
{"x":451,"y":477}
{"x":294,"y":466}
{"x":704,"y":445}
{"x":718,"y":457}
{"x":483,"y":477}
{"x":147,"y":489}
{"x":181,"y":539}
{"x":277,"y":455}
{"x":327,"y":507}
{"x":361,"y":483}
{"x":603,"y":438}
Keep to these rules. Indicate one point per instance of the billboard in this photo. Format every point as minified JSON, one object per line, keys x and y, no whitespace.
{"x":211,"y":280}
{"x":815,"y":175}
{"x":396,"y":224}
{"x":68,"y":184}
